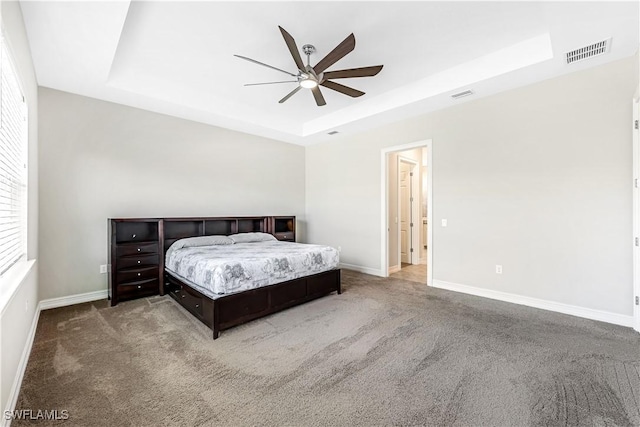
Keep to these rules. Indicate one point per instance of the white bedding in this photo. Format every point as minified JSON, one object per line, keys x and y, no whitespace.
{"x":223,"y":269}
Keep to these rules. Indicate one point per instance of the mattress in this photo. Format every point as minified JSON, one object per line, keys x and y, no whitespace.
{"x":224,"y":269}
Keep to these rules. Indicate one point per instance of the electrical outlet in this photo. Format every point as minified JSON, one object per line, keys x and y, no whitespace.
{"x":444,"y":222}
{"x":103,"y":269}
{"x":498,"y":269}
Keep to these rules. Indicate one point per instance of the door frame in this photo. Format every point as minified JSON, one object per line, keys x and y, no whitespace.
{"x":384,"y":205}
{"x":413,"y":255}
{"x":636,"y":210}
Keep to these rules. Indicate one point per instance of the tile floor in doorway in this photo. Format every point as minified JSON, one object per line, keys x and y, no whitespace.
{"x":412,"y":273}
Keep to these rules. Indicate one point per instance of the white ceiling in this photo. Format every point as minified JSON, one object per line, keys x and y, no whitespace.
{"x":177,"y":58}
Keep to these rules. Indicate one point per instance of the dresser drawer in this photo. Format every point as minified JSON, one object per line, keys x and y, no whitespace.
{"x":136,"y":274}
{"x":136,"y":249}
{"x":288,"y":236}
{"x":132,"y":261}
{"x":138,"y":289}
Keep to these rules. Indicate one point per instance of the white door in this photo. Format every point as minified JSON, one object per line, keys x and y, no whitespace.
{"x":405,"y":211}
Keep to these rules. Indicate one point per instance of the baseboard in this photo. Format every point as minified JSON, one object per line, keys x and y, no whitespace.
{"x":573,"y":310}
{"x":361,"y":269}
{"x":73,"y":299}
{"x":22,"y":366}
{"x":394,"y":269}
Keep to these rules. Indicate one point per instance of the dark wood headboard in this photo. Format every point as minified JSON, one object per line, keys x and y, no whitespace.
{"x":180,"y":228}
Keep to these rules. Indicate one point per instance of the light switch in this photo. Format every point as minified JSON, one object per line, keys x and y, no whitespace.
{"x":444,"y":222}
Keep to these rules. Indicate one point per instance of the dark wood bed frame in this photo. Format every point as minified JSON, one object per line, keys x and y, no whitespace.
{"x":234,"y":309}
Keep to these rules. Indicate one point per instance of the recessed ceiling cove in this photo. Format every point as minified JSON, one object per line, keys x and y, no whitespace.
{"x":177,"y":58}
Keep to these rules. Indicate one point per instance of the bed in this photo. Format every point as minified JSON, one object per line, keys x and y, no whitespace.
{"x":226,"y":280}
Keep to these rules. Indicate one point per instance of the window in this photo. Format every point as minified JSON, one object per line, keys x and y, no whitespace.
{"x":13,"y":165}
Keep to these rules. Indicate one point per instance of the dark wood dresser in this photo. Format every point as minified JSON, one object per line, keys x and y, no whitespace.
{"x":135,"y":259}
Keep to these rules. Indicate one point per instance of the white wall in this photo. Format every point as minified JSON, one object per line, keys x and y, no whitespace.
{"x":537,"y":179}
{"x":100,"y":160}
{"x":17,"y":316}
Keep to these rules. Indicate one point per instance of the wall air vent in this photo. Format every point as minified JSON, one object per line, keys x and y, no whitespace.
{"x":333,"y":132}
{"x":462,"y":94}
{"x":590,"y":51}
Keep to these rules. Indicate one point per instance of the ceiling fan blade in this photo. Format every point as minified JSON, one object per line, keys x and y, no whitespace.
{"x":346,"y":46}
{"x":342,"y":88}
{"x":353,"y":72}
{"x":265,"y":65}
{"x":290,"y":94}
{"x":291,"y":44}
{"x":270,"y":83}
{"x":318,"y":96}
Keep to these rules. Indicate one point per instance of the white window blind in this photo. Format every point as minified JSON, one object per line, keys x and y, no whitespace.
{"x":13,"y":165}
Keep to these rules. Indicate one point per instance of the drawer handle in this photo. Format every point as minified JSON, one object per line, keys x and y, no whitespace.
{"x":138,"y":249}
{"x":133,"y":237}
{"x":139,"y":287}
{"x":138,"y":274}
{"x":197,"y":305}
{"x":182,"y":296}
{"x":138,"y":261}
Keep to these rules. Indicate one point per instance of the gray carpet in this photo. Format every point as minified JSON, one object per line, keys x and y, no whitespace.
{"x":385,"y":352}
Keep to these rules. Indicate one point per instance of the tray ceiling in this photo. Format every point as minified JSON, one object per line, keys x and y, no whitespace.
{"x":177,"y":58}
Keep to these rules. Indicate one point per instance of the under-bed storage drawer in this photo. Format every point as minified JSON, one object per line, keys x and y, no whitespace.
{"x":287,"y":293}
{"x":319,"y":284}
{"x":244,"y":304}
{"x":189,"y":300}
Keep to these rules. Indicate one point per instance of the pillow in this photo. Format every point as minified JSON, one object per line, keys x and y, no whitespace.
{"x":199,"y":241}
{"x":251,"y":237}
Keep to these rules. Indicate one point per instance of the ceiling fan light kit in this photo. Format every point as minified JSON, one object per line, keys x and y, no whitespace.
{"x":309,"y":77}
{"x":308,"y":83}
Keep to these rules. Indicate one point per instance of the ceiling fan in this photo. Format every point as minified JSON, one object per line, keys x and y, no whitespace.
{"x":312,"y":77}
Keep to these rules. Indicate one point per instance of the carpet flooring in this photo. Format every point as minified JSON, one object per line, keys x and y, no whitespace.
{"x":385,"y":352}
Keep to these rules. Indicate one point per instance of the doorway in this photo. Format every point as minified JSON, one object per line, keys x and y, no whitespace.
{"x":407,"y":249}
